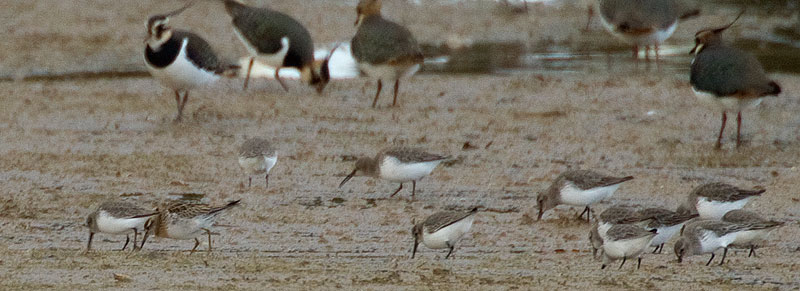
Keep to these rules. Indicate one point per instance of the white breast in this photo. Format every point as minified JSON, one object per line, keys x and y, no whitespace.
{"x":716,"y":209}
{"x":257,"y":165}
{"x":181,"y":74}
{"x":188,"y":228}
{"x":393,"y":170}
{"x":710,"y":242}
{"x":627,"y":248}
{"x":748,"y":237}
{"x":112,"y":225}
{"x":273,"y":60}
{"x":665,"y":233}
{"x":572,"y":195}
{"x":655,"y":38}
{"x":452,"y":233}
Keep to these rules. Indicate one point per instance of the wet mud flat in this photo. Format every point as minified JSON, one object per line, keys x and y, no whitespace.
{"x":69,"y":144}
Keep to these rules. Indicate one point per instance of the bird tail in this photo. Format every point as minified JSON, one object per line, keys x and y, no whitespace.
{"x":229,"y":71}
{"x":690,"y":14}
{"x":230,"y":204}
{"x":233,"y":6}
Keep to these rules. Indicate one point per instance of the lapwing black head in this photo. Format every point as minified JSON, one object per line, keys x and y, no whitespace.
{"x":728,"y":77}
{"x":276,"y":39}
{"x":179,"y":59}
{"x":383,"y":49}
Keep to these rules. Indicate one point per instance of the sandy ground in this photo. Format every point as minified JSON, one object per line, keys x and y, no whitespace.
{"x":68,"y":145}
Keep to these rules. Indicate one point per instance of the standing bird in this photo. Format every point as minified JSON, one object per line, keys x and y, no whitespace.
{"x":667,"y":223}
{"x":256,"y":156}
{"x":279,"y":41}
{"x":443,"y":230}
{"x":383,"y":49}
{"x":117,"y":217}
{"x":623,"y":241}
{"x":398,"y":165}
{"x":578,"y":188}
{"x":180,"y":220}
{"x":713,"y":200}
{"x":728,"y":78}
{"x":179,"y":59}
{"x":751,"y":238}
{"x":641,"y":23}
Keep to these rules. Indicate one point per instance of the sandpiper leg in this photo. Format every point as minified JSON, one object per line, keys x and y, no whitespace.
{"x":396,"y":88}
{"x":249,"y":182}
{"x":208,"y":232}
{"x":451,"y":250}
{"x":657,"y":54}
{"x":603,"y":266}
{"x":196,"y":243}
{"x":266,"y":179}
{"x":89,"y":244}
{"x":135,"y":237}
{"x":589,"y":14}
{"x":738,"y":128}
{"x":639,"y":263}
{"x":247,"y":77}
{"x":588,"y":212}
{"x":655,"y":249}
{"x":647,"y":53}
{"x":277,"y":77}
{"x":724,"y":253}
{"x":594,"y":252}
{"x":413,"y":188}
{"x":378,"y":93}
{"x":127,"y":240}
{"x":624,"y":259}
{"x":752,"y":251}
{"x":144,"y":238}
{"x":711,"y":259}
{"x":398,"y":190}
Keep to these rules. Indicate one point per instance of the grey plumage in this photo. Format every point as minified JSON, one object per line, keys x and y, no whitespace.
{"x":585,"y":179}
{"x":410,"y":155}
{"x":122,"y":209}
{"x":443,"y":219}
{"x":256,"y":147}
{"x":638,"y":16}
{"x":722,"y":192}
{"x":380,"y":41}
{"x":660,"y":217}
{"x":627,"y":231}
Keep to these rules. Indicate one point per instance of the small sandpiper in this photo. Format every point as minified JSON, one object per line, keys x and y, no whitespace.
{"x":713,"y":200}
{"x":117,"y":217}
{"x":666,"y":222}
{"x":751,"y":238}
{"x":642,"y":23}
{"x":179,"y":59}
{"x":383,"y":49}
{"x":728,"y":78}
{"x":623,"y":241}
{"x":279,"y":41}
{"x":257,"y":156}
{"x":183,"y":221}
{"x":703,"y":236}
{"x":578,"y":188}
{"x":611,"y":216}
{"x":398,"y":164}
{"x":443,"y":230}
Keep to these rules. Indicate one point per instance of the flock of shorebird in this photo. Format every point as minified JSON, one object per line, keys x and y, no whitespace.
{"x":710,"y":218}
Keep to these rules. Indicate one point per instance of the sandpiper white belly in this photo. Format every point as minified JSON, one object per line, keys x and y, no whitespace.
{"x":716,"y":209}
{"x":257,"y":165}
{"x":113,"y":225}
{"x":747,"y":237}
{"x":665,"y":233}
{"x":626,"y":248}
{"x":572,"y":195}
{"x":393,"y":170}
{"x":452,"y":233}
{"x":181,"y":74}
{"x":710,"y":242}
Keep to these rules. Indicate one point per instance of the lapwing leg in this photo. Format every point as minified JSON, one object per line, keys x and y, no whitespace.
{"x":635,"y":52}
{"x":378,"y":93}
{"x":196,"y":243}
{"x":127,"y":240}
{"x":247,"y":77}
{"x":623,"y":263}
{"x":752,"y":251}
{"x":724,"y":253}
{"x":178,"y":105}
{"x":208,"y":232}
{"x":144,"y":238}
{"x":278,"y":77}
{"x":738,"y":129}
{"x":89,"y":244}
{"x":396,"y":88}
{"x":711,"y":259}
{"x":181,"y":105}
{"x":639,"y":263}
{"x":647,"y":53}
{"x":722,"y":129}
{"x":266,"y":179}
{"x":398,"y":190}
{"x":452,"y":247}
{"x":589,"y":15}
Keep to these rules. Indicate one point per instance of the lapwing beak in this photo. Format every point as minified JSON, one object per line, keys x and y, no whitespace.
{"x":180,"y":10}
{"x":694,"y":49}
{"x":324,"y":70}
{"x":358,"y":19}
{"x":353,"y":173}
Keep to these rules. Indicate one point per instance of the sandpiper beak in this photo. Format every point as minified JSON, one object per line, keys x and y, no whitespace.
{"x":353,"y":173}
{"x":414,"y":250}
{"x":541,"y":212}
{"x":680,"y":259}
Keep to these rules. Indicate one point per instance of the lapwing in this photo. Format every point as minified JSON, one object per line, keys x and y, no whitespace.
{"x":181,"y":60}
{"x":383,"y":49}
{"x":399,"y":164}
{"x":642,"y":23}
{"x":279,"y":41}
{"x":578,"y":188}
{"x":727,"y":77}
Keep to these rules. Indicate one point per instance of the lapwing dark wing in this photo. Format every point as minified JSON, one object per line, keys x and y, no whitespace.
{"x":727,"y":77}
{"x":383,"y":49}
